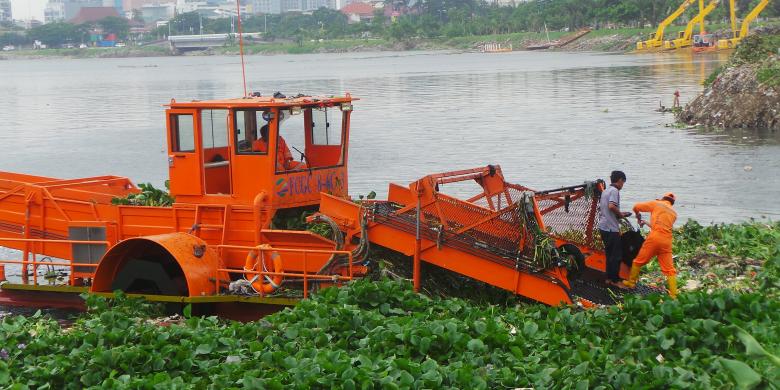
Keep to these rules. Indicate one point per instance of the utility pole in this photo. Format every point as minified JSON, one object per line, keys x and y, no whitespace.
{"x":265,"y":23}
{"x":200,"y":28}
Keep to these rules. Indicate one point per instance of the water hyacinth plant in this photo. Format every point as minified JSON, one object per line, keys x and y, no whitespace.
{"x":380,"y":334}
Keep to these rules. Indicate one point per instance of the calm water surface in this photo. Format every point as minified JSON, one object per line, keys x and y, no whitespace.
{"x":548,"y":119}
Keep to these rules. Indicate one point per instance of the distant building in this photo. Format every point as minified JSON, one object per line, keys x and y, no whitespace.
{"x":117,"y":4}
{"x":54,"y":12}
{"x":211,"y":8}
{"x":5,"y":11}
{"x":266,"y":7}
{"x":129,"y":5}
{"x":153,"y":13}
{"x":93,"y":14}
{"x":282,"y":6}
{"x":62,"y":10}
{"x":358,"y":12}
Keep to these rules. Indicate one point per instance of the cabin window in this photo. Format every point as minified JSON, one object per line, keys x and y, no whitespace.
{"x":326,"y":126}
{"x":214,"y":128}
{"x":310,"y":138}
{"x":251,"y":131}
{"x":216,"y":155}
{"x":183,"y":133}
{"x":291,"y":144}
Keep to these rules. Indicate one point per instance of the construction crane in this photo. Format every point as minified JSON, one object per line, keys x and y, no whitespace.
{"x":656,"y":40}
{"x":744,"y":29}
{"x":685,"y":37}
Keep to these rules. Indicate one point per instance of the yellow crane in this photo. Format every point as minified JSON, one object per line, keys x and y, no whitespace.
{"x":743,"y":31}
{"x":685,"y":37}
{"x":657,"y":38}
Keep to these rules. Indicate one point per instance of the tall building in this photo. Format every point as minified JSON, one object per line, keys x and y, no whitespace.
{"x":157,"y":12}
{"x":266,"y":6}
{"x":54,"y":12}
{"x":5,"y":11}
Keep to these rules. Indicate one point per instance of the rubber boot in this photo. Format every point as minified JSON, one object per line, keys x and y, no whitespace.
{"x":633,"y":276}
{"x":672,"y":280}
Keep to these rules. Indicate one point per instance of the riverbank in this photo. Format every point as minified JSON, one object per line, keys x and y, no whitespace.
{"x":599,"y":40}
{"x":744,"y":93}
{"x":380,"y":334}
{"x":603,"y":40}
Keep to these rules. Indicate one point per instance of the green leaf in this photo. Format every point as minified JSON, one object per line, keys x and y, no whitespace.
{"x":754,"y":348}
{"x":5,"y":375}
{"x":187,"y":311}
{"x":581,"y":368}
{"x":476,"y":345}
{"x":203,"y":349}
{"x":530,"y":328}
{"x":744,"y":376}
{"x":425,"y":344}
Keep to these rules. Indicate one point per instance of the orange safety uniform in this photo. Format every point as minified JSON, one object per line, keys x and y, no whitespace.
{"x":260,"y":145}
{"x":284,"y":158}
{"x":659,"y":242}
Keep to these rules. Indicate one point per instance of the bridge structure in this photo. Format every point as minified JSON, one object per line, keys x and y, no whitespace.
{"x":205,"y":41}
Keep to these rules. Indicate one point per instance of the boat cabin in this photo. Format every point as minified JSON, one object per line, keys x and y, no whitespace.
{"x":229,"y":151}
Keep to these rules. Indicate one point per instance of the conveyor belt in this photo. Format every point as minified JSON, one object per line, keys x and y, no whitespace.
{"x":506,"y":255}
{"x":590,"y":286}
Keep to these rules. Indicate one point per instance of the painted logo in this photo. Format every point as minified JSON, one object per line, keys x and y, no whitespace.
{"x":281,"y":187}
{"x":310,"y":184}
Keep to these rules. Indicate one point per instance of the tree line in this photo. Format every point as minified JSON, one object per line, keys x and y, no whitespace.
{"x":61,"y":33}
{"x":426,"y":18}
{"x":454,"y":18}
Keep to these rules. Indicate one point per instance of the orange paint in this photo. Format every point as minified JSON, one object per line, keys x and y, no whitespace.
{"x":226,"y":195}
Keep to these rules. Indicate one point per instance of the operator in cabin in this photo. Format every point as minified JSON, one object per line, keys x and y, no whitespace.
{"x":284,"y":158}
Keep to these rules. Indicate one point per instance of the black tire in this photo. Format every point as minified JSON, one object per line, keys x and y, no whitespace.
{"x":576,"y":263}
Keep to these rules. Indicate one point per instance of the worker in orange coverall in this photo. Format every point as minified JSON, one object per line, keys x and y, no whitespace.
{"x":659,"y":242}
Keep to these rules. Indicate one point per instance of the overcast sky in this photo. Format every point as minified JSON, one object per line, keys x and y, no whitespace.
{"x":28,"y":9}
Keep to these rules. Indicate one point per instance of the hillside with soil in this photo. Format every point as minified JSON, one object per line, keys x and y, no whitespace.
{"x":745,"y":93}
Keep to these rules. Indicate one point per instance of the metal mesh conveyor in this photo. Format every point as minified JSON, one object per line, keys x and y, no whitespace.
{"x":571,"y":213}
{"x":508,"y":235}
{"x":470,"y":229}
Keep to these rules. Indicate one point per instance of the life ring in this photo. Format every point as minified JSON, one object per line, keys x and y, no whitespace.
{"x":271,"y":283}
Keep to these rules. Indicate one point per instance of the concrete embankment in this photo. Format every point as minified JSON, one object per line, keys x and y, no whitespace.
{"x":743,"y":94}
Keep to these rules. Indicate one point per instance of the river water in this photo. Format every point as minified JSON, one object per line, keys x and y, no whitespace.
{"x":549,"y":119}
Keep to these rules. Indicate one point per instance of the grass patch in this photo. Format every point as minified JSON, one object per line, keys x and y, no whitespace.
{"x":769,"y":74}
{"x":755,"y":49}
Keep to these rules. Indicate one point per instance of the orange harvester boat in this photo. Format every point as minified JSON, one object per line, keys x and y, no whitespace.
{"x":232,"y":172}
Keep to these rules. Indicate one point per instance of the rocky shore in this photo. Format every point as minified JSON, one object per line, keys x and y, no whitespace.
{"x":743,"y":94}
